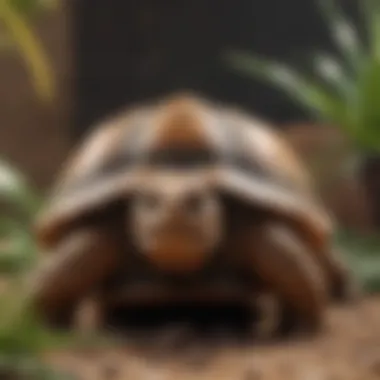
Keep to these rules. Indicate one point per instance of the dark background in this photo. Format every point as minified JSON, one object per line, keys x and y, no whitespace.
{"x":127,"y":51}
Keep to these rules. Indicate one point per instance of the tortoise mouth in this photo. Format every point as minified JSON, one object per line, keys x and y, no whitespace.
{"x":177,"y":232}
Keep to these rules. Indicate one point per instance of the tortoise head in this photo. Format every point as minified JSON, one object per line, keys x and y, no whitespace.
{"x":176,"y":216}
{"x":176,"y":219}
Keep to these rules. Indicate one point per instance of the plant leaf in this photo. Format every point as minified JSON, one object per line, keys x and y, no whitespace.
{"x":26,"y":7}
{"x":314,"y":97}
{"x":31,"y":7}
{"x":15,"y":189}
{"x":362,"y":254}
{"x":371,"y":12}
{"x":343,"y":31}
{"x":331,"y":71}
{"x":365,"y":108}
{"x":30,"y":47}
{"x":18,"y":250}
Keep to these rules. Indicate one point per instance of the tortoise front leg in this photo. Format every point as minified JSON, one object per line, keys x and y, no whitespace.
{"x":80,"y":262}
{"x":341,"y":282}
{"x":286,"y":267}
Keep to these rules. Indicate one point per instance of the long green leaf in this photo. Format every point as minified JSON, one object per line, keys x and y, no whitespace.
{"x":32,"y":7}
{"x":371,"y":13}
{"x":314,"y":97}
{"x":331,"y":71}
{"x":343,"y":31}
{"x":26,"y":7}
{"x":14,"y":189}
{"x":35,"y":58}
{"x":366,"y":110}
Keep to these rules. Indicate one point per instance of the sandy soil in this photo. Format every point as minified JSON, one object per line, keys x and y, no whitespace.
{"x":349,"y":349}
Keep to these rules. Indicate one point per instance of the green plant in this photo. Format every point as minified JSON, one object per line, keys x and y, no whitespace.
{"x":23,"y":337}
{"x":343,"y":91}
{"x":18,"y":33}
{"x":362,"y":254}
{"x":20,"y":202}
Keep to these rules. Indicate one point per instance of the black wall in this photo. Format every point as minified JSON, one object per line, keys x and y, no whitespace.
{"x":126,"y":51}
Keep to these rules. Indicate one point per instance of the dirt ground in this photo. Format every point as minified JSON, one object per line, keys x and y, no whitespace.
{"x":349,"y":349}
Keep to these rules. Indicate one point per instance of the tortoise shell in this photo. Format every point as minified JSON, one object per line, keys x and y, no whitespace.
{"x":247,"y":158}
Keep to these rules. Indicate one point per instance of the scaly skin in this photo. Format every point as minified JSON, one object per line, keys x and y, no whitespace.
{"x":68,"y":275}
{"x":287,"y":268}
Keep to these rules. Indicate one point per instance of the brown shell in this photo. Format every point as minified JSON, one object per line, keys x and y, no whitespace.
{"x":83,"y":183}
{"x":264,"y":169}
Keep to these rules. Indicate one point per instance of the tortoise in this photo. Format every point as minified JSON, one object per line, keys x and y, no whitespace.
{"x":187,"y":199}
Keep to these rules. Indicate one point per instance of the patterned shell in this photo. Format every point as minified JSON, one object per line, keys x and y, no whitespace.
{"x":251,"y":161}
